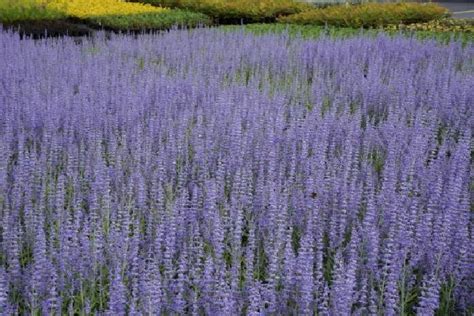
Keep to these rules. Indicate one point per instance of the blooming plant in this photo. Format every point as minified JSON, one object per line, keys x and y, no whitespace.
{"x":211,"y":173}
{"x":38,"y":16}
{"x":17,"y":10}
{"x":92,"y":8}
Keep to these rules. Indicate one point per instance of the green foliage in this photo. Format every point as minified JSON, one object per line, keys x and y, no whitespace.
{"x":295,"y":30}
{"x":26,"y":10}
{"x":237,"y":11}
{"x":316,"y":31}
{"x":447,"y":302}
{"x":150,"y":21}
{"x":26,"y":255}
{"x":368,"y":15}
{"x":296,"y":239}
{"x":260,"y":272}
{"x":328,"y":261}
{"x":442,"y":37}
{"x":93,"y":292}
{"x":377,"y":159}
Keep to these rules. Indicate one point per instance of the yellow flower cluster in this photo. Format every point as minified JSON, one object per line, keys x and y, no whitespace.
{"x":92,"y":8}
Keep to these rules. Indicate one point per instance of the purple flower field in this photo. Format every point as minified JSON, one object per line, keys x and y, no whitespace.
{"x":222,"y":173}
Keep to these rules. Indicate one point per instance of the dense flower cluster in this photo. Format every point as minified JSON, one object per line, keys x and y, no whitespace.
{"x":92,"y":8}
{"x":225,"y":173}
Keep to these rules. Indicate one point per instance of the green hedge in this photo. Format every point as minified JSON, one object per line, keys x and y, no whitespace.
{"x":26,"y":10}
{"x":316,"y":31}
{"x":236,"y":11}
{"x":369,"y":15}
{"x":150,"y":21}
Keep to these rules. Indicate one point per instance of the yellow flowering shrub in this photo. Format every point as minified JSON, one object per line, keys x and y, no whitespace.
{"x":369,"y":14}
{"x":93,"y":8}
{"x":34,"y":16}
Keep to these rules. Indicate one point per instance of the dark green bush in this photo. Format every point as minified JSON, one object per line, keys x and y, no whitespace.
{"x":369,"y":15}
{"x":236,"y":11}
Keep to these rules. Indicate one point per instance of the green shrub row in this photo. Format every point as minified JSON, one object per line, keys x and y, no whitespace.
{"x":150,"y":21}
{"x":236,"y":11}
{"x":26,"y":10}
{"x":316,"y":31}
{"x":368,"y":15}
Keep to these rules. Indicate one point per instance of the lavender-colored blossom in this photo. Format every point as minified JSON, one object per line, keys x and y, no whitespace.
{"x":429,"y":300}
{"x":117,"y":301}
{"x":219,"y":173}
{"x":3,"y":291}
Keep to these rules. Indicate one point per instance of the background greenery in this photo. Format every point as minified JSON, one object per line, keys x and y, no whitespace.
{"x":410,"y":19}
{"x":315,"y":31}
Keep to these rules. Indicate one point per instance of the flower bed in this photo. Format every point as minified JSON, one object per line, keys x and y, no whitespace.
{"x":203,"y":172}
{"x":91,"y":8}
{"x":108,"y":14}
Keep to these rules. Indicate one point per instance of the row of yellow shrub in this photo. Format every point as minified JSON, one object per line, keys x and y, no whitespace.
{"x":93,"y":8}
{"x":369,"y":15}
{"x":15,"y":10}
{"x":35,"y":15}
